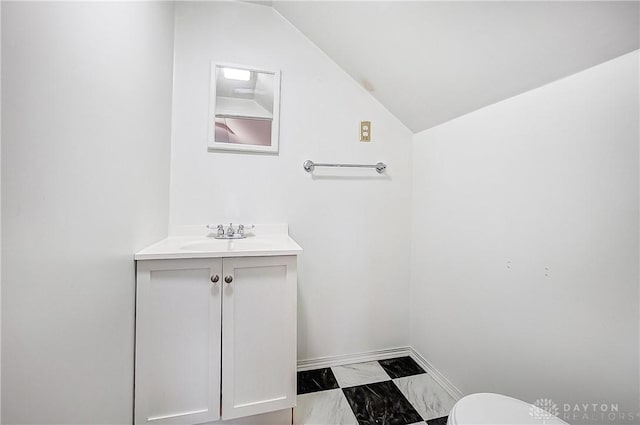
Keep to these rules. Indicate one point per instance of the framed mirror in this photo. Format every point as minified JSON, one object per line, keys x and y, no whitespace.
{"x":244,"y":108}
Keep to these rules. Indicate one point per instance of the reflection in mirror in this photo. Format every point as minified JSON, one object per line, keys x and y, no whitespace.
{"x":244,"y":109}
{"x":246,"y":131}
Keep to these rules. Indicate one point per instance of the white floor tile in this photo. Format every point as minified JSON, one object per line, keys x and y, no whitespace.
{"x":359,"y":374}
{"x":323,"y":408}
{"x":426,"y":395}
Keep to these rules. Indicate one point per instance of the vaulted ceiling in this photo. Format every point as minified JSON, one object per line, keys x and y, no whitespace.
{"x":429,"y":62}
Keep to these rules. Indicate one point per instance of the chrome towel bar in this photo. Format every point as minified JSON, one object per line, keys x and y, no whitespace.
{"x":309,"y":165}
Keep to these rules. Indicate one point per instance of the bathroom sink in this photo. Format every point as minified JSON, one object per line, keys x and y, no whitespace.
{"x":248,"y":244}
{"x":193,"y":242}
{"x":206,"y":245}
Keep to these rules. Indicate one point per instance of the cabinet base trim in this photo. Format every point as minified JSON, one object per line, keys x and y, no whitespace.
{"x":253,"y":403}
{"x":175,"y":415}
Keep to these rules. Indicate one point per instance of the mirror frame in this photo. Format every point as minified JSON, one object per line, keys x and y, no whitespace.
{"x":212,"y":145}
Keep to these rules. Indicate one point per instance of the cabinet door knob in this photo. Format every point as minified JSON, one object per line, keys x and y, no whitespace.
{"x":215,"y":279}
{"x":228,"y":279}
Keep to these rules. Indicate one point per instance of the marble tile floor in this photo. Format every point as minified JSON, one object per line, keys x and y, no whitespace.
{"x":386,"y":392}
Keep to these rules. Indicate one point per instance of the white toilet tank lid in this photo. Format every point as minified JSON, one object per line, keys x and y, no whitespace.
{"x":496,"y":409}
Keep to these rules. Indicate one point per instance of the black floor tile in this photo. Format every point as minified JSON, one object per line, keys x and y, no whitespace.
{"x":438,"y":421}
{"x":401,"y":367}
{"x":310,"y":381}
{"x":381,"y":403}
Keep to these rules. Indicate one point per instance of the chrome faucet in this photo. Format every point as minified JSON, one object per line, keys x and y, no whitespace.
{"x":231,"y":232}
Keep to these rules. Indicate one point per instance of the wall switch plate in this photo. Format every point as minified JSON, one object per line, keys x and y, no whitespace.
{"x":365,"y":131}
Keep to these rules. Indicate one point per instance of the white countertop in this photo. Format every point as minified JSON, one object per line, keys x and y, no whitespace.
{"x":198,"y":242}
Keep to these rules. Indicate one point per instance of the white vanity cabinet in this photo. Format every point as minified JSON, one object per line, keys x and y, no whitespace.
{"x":215,"y":338}
{"x":178,"y":345}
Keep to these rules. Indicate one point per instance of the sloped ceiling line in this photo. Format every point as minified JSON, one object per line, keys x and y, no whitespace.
{"x":430,"y":62}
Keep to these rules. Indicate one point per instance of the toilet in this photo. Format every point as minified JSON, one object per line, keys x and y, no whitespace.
{"x":496,"y":409}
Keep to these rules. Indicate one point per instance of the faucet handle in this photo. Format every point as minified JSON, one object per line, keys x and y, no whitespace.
{"x":219,"y":228}
{"x":243,"y":227}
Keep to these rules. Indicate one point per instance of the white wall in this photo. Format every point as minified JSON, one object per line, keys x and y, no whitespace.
{"x":545,"y":179}
{"x":85,"y":173}
{"x":0,"y":218}
{"x":353,"y":287}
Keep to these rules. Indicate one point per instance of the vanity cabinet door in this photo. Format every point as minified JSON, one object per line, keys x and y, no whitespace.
{"x":258,"y":335}
{"x":178,"y":310}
